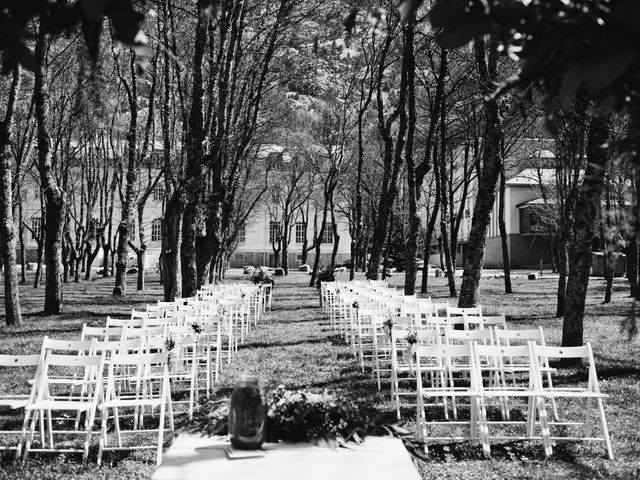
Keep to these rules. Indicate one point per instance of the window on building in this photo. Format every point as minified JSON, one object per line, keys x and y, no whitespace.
{"x":242,"y":234}
{"x":156,"y":230}
{"x":36,"y":227}
{"x":158,"y":192}
{"x":533,"y":219}
{"x":301,"y":230}
{"x":274,"y":231}
{"x":327,"y":235}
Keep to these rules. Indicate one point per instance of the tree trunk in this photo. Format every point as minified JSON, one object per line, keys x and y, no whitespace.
{"x":491,"y":163}
{"x":23,"y":249}
{"x":411,"y":246}
{"x":171,"y":247}
{"x":207,"y":249}
{"x":336,"y":237}
{"x":55,"y":197}
{"x":631,"y":252}
{"x":39,"y":258}
{"x":506,"y":262}
{"x":318,"y":243}
{"x":91,"y":256}
{"x":444,"y":206}
{"x":563,"y":268}
{"x":586,"y":211}
{"x":195,"y":156}
{"x":607,"y":238}
{"x":13,"y":316}
{"x":131,"y":177}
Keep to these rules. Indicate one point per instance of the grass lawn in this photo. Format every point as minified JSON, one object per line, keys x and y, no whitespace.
{"x":294,"y":346}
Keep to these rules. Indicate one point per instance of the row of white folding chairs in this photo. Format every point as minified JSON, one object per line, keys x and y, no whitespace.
{"x":393,"y":355}
{"x":75,"y":383}
{"x":481,"y":374}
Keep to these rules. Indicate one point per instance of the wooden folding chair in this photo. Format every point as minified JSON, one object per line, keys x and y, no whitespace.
{"x":436,"y":382}
{"x":51,"y":397}
{"x":492,"y":364}
{"x":147,"y":386}
{"x":582,"y":427}
{"x":15,"y":395}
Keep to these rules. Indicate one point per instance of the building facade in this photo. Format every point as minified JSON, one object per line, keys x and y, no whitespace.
{"x":255,"y":242}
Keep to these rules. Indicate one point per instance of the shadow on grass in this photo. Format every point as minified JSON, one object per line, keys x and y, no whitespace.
{"x":334,"y":340}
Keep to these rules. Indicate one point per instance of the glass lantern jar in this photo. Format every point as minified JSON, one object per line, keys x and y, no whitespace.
{"x":247,"y":414}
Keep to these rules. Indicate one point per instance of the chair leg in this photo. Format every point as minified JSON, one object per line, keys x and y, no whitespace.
{"x":32,"y":431}
{"x":50,"y":428}
{"x":544,"y":427}
{"x":161,"y":432}
{"x":103,"y":434}
{"x":605,"y":429}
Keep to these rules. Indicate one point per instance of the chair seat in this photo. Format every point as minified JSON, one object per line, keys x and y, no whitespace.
{"x":132,"y":402}
{"x":53,"y":404}
{"x":14,"y":403}
{"x":449,"y":392}
{"x":569,"y":393}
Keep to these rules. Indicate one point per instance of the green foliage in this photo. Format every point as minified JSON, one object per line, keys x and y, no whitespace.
{"x":303,"y":416}
{"x":570,"y":45}
{"x":326,"y":275}
{"x":61,"y":17}
{"x":261,"y":275}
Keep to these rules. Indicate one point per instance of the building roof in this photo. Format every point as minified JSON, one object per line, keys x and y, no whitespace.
{"x":536,"y":201}
{"x":533,"y":176}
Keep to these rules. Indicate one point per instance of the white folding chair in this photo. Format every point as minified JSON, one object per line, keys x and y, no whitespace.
{"x":582,"y":427}
{"x":491,"y":364}
{"x":15,"y":395}
{"x":436,"y":382}
{"x":146,"y":386}
{"x":51,"y":397}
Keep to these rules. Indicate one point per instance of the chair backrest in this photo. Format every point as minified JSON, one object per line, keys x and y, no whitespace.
{"x":124,"y":322}
{"x":498,"y":321}
{"x":79,"y":347}
{"x":428,"y":336}
{"x":457,"y":337}
{"x":142,"y":332}
{"x":100,"y":333}
{"x":62,"y":374}
{"x":111,"y":347}
{"x":135,"y":314}
{"x":459,"y":312}
{"x":440,"y":308}
{"x":126,"y":374}
{"x":14,"y":385}
{"x":519,"y":337}
{"x":542,"y":355}
{"x":440,"y":355}
{"x":500,"y":361}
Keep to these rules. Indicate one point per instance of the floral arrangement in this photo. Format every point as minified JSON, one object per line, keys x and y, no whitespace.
{"x":304,"y":416}
{"x":326,"y":275}
{"x":261,"y":275}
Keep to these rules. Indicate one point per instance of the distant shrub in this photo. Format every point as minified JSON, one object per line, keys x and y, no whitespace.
{"x":326,"y":275}
{"x":261,"y":275}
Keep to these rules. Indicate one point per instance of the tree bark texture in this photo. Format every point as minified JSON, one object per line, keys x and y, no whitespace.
{"x":586,"y":211}
{"x":54,"y":196}
{"x":506,"y":261}
{"x":491,"y":164}
{"x":193,"y":212}
{"x":13,"y":316}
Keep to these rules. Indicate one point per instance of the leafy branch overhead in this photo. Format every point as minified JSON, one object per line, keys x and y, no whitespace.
{"x":569,"y":45}
{"x":60,"y":17}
